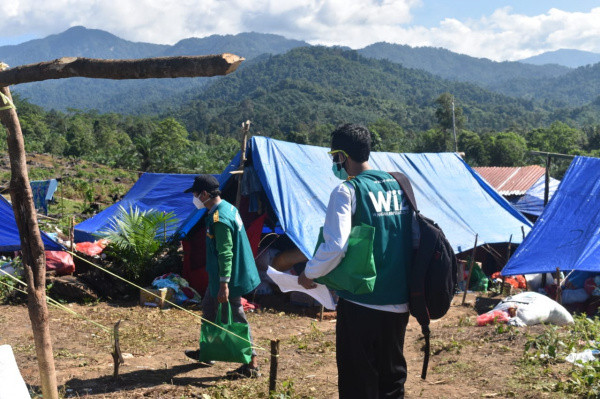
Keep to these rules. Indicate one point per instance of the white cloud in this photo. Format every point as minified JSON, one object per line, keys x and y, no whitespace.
{"x":355,"y":23}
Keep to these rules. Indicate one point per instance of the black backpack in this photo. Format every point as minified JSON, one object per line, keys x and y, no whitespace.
{"x":433,"y":274}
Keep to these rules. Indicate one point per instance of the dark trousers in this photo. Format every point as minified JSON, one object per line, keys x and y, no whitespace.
{"x":370,"y":358}
{"x":210,"y":306}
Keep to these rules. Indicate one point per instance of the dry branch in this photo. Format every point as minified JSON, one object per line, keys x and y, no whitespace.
{"x":164,"y":67}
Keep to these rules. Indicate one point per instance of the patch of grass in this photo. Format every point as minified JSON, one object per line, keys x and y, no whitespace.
{"x":315,"y":341}
{"x":438,"y":346}
{"x":550,"y":348}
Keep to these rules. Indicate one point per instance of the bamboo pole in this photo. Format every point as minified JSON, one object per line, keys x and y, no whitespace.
{"x":32,"y":248}
{"x":470,"y":270}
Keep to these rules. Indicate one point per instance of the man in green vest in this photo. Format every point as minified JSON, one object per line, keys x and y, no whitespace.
{"x":229,"y":260}
{"x":370,"y":327}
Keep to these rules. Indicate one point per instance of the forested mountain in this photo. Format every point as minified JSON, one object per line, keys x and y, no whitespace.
{"x":124,"y":96}
{"x":566,"y":57}
{"x":454,"y":66}
{"x":310,"y":86}
{"x":576,"y":88}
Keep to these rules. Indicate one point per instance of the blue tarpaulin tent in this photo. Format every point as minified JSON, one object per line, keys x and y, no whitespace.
{"x":532,"y":202}
{"x":9,"y":233}
{"x":298,"y":181}
{"x":567,"y":234}
{"x":162,"y":192}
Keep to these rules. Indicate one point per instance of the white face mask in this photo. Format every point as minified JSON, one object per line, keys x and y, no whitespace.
{"x":199,"y":204}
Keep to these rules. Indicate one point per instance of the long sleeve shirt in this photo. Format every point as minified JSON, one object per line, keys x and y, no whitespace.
{"x":336,"y":231}
{"x":224,"y":245}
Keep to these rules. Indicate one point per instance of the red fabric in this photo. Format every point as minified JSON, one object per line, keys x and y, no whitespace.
{"x":91,"y":248}
{"x":59,"y":261}
{"x":494,"y":316}
{"x":254,"y":231}
{"x":194,"y":262}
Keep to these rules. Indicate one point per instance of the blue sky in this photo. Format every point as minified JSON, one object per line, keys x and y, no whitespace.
{"x":499,"y":30}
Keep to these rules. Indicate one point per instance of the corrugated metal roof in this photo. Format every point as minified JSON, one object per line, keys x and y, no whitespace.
{"x":511,"y":180}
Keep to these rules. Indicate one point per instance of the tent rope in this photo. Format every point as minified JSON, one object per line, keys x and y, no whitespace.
{"x":53,"y":302}
{"x":167,"y":301}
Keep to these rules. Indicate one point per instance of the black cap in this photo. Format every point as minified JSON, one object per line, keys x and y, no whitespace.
{"x":206,"y":183}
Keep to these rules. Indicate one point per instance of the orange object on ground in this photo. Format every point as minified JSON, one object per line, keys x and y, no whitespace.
{"x":91,"y":248}
{"x":494,"y":316}
{"x":516,"y":281}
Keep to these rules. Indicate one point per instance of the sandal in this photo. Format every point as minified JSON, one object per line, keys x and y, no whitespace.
{"x":244,"y":371}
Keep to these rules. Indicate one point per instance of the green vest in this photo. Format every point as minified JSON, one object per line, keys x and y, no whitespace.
{"x":380,"y":203}
{"x":244,"y":275}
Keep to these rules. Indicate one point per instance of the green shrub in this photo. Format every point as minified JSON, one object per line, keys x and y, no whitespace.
{"x":135,"y":237}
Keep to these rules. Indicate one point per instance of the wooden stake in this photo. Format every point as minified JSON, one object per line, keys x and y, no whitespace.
{"x":245,"y":130}
{"x":321,"y":313}
{"x":470,"y":270}
{"x":274,"y":365}
{"x":116,"y":354}
{"x":32,"y":248}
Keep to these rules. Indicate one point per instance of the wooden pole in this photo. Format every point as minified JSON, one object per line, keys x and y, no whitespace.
{"x":240,"y":171}
{"x":507,"y":259}
{"x":470,"y":270}
{"x":558,"y":288}
{"x":547,"y":176}
{"x":274,"y":365}
{"x":32,"y":248}
{"x":164,"y":67}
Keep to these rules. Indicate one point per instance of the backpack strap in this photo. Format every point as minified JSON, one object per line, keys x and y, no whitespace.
{"x":406,"y":188}
{"x":410,"y":195}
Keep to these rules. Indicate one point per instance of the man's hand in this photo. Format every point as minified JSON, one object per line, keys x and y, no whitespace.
{"x":306,"y":282}
{"x":223,"y":295}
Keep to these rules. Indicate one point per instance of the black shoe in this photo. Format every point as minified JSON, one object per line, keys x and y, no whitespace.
{"x":195,"y":355}
{"x":244,"y":371}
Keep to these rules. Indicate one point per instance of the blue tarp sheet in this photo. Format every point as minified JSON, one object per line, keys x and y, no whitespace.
{"x":159,"y":191}
{"x":9,"y":233}
{"x":298,"y":182}
{"x":567,"y":234}
{"x":532,"y":202}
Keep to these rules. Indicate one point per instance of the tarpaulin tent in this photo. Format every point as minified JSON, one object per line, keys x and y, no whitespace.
{"x":9,"y":233}
{"x":567,"y":234}
{"x":298,"y":181}
{"x":532,"y":202}
{"x":158,"y":191}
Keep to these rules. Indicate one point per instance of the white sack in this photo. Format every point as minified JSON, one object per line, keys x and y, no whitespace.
{"x":535,"y":280}
{"x":12,"y":385}
{"x":533,"y":308}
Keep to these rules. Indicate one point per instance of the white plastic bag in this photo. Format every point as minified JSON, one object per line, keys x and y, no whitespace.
{"x":12,"y":385}
{"x":533,"y":308}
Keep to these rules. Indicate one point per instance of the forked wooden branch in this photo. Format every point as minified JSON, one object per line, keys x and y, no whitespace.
{"x":163,"y":67}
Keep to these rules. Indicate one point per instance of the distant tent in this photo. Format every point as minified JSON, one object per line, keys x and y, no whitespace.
{"x":9,"y":233}
{"x":567,"y":234}
{"x":159,"y":191}
{"x":532,"y":202}
{"x":297,"y":182}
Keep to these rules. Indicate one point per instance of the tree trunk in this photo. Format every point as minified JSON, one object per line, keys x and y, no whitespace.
{"x":164,"y":67}
{"x":32,"y":249}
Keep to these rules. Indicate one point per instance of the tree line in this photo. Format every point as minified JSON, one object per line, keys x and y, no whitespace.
{"x":154,"y":144}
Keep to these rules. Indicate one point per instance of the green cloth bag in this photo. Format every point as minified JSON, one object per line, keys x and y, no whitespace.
{"x":356,"y":272}
{"x":217,"y":344}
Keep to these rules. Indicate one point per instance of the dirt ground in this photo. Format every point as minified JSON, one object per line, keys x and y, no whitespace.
{"x":467,"y":361}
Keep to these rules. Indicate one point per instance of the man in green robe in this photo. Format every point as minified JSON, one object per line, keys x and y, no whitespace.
{"x":229,"y":260}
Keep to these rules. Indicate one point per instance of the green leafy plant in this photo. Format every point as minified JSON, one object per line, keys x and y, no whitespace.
{"x":135,"y":237}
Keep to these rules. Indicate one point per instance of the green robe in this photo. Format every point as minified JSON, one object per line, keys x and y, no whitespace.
{"x":229,"y":260}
